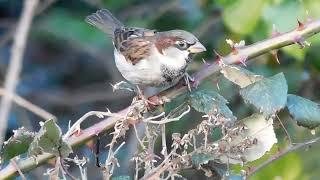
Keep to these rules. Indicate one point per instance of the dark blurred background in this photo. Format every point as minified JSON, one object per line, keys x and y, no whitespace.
{"x":68,"y":65}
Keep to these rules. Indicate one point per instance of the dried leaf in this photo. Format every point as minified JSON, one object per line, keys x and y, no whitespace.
{"x":258,"y":128}
{"x":239,"y":75}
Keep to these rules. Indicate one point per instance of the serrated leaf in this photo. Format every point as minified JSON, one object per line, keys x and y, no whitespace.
{"x":269,"y":95}
{"x":17,"y":144}
{"x":239,"y":75}
{"x":304,"y":111}
{"x":210,"y":102}
{"x":200,"y":158}
{"x":239,"y":19}
{"x":258,"y":128}
{"x":49,"y":139}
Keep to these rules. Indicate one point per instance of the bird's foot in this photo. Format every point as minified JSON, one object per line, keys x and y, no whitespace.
{"x":188,"y":79}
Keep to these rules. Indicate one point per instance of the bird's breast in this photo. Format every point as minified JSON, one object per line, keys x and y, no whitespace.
{"x":170,"y":75}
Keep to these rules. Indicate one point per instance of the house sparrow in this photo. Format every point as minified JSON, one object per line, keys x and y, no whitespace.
{"x":145,"y":57}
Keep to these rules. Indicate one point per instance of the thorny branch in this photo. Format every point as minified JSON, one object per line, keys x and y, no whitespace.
{"x":242,"y":54}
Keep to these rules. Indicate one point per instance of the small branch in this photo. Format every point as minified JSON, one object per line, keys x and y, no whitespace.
{"x":13,"y":72}
{"x":13,"y":162}
{"x":285,"y":130}
{"x":76,"y":126}
{"x":283,"y":153}
{"x":166,"y":120}
{"x":29,"y":106}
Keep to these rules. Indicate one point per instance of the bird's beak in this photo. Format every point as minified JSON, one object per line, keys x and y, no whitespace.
{"x":197,"y":48}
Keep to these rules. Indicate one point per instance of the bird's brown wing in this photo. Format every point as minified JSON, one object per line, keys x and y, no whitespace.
{"x":133,"y":43}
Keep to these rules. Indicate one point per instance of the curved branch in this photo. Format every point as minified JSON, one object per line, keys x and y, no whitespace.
{"x":283,"y":153}
{"x":296,"y":36}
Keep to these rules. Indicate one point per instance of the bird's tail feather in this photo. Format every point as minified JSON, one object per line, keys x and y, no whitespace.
{"x":105,"y":21}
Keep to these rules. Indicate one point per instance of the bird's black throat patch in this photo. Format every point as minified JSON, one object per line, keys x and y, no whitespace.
{"x":172,"y":75}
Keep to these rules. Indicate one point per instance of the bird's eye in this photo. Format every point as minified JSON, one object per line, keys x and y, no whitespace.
{"x":182,"y":45}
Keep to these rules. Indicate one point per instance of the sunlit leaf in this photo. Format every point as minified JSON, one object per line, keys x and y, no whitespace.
{"x":243,"y":16}
{"x":239,"y":75}
{"x":49,"y":139}
{"x":304,"y":111}
{"x":269,"y":95}
{"x":259,"y":128}
{"x":17,"y":144}
{"x":210,"y":102}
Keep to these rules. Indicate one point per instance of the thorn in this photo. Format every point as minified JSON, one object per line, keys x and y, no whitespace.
{"x":205,"y":62}
{"x":219,"y":59}
{"x":234,"y":50}
{"x":275,"y":55}
{"x":300,"y":26}
{"x":309,"y":18}
{"x":298,"y":40}
{"x":243,"y":59}
{"x":195,"y":83}
{"x":235,"y":46}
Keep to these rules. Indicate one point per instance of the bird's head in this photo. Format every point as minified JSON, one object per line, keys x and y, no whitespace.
{"x":178,"y":44}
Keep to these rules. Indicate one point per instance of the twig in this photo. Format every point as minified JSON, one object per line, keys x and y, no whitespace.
{"x":13,"y":161}
{"x":164,"y":150}
{"x":76,"y":126}
{"x":283,"y":153}
{"x":29,"y":106}
{"x":137,"y":136}
{"x":285,"y":130}
{"x":15,"y":65}
{"x":166,"y":120}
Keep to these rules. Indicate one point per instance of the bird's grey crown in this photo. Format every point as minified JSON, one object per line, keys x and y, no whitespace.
{"x":185,"y":35}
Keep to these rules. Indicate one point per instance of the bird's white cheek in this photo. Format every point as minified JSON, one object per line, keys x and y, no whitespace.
{"x":174,"y":57}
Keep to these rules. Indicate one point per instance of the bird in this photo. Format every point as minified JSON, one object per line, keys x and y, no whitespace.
{"x":146,"y":57}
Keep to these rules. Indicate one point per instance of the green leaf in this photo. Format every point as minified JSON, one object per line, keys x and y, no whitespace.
{"x":17,"y":144}
{"x":49,"y":139}
{"x":269,"y":95}
{"x":201,"y":158}
{"x":304,"y":111}
{"x":243,"y":16}
{"x":210,"y":102}
{"x":239,"y":75}
{"x":284,"y":15}
{"x":295,"y":51}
